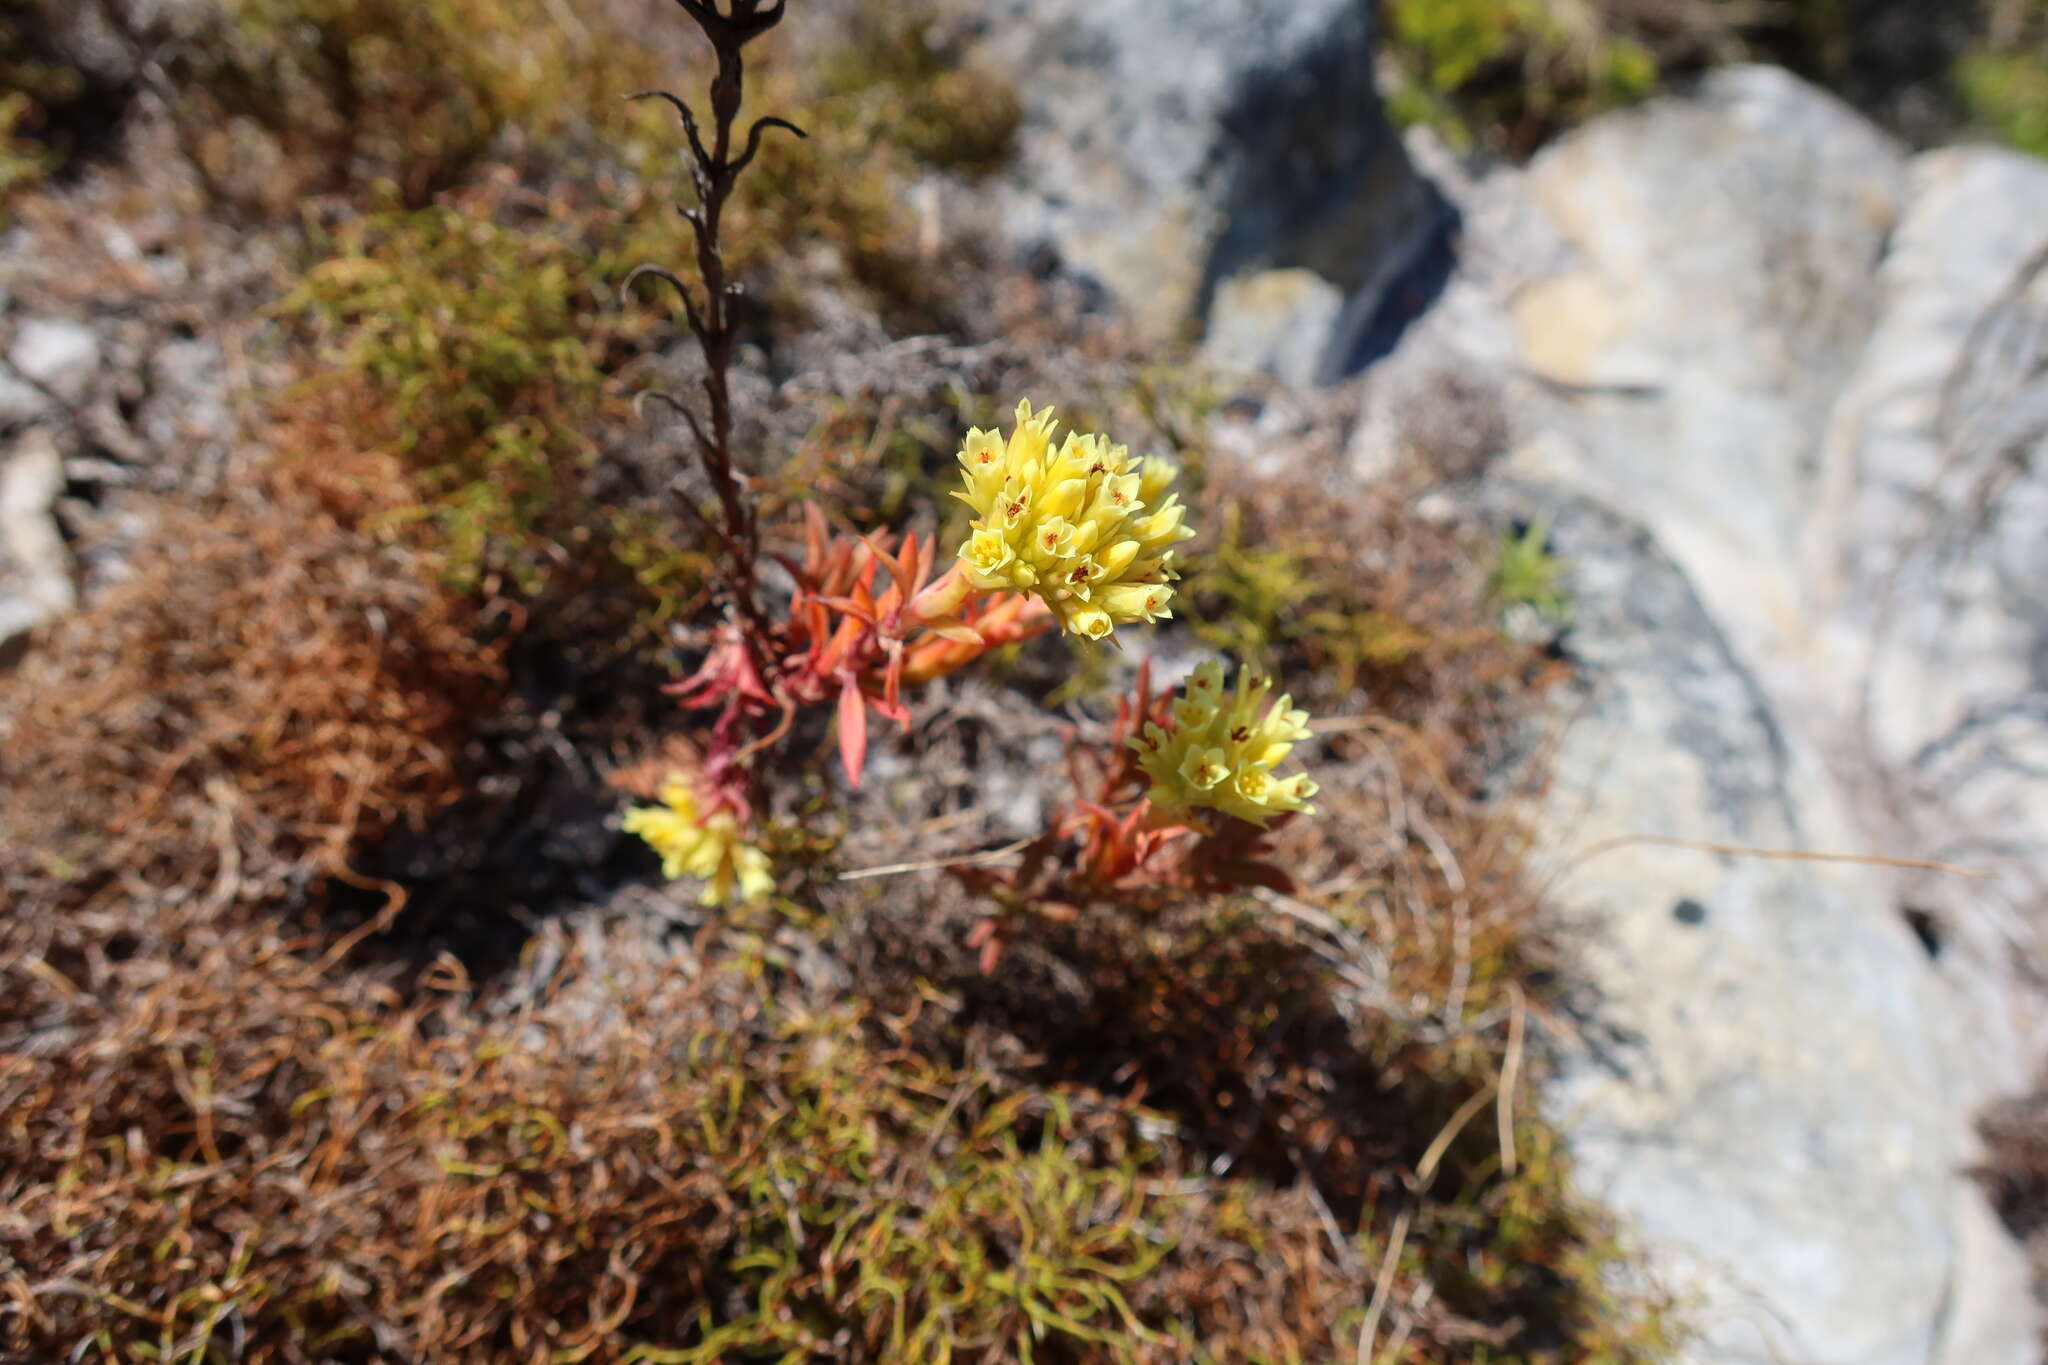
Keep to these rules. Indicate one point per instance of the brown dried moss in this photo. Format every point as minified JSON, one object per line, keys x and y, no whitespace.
{"x":266,"y":691}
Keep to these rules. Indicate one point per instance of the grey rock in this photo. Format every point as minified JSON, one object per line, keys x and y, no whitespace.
{"x":1816,"y":369}
{"x":1274,"y":322}
{"x":60,"y":356}
{"x":1931,"y":546}
{"x":188,"y":409}
{"x":35,"y":569}
{"x":1785,"y":388}
{"x":1763,"y":1089}
{"x":1171,"y":144}
{"x":1831,"y":405}
{"x":20,"y":401}
{"x":1724,"y":246}
{"x":1456,"y":393}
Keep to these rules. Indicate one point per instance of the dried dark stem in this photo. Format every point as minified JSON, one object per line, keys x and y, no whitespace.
{"x":682,"y":410}
{"x":668,"y":277}
{"x":761,"y":126}
{"x":714,"y":169}
{"x":683,"y":109}
{"x":675,"y":405}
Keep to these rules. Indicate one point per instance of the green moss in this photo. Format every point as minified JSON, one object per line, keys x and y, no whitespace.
{"x":1528,"y":574}
{"x":1505,"y":72}
{"x":1291,"y":605}
{"x":1019,"y":1231}
{"x":891,"y":1205}
{"x":474,"y":352}
{"x":2003,"y":80}
{"x":1304,"y":1096}
{"x":940,"y":112}
{"x":672,"y":575}
{"x":1531,"y":1246}
{"x":416,"y":92}
{"x":2008,"y":94}
{"x":881,"y":108}
{"x":29,"y":85}
{"x":23,"y":162}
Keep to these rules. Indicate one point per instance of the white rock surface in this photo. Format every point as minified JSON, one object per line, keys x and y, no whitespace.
{"x":1931,"y":565}
{"x":1766,"y":1089}
{"x":1719,"y":293}
{"x":1820,"y":374}
{"x":20,"y":401}
{"x":1274,"y":322}
{"x":61,"y":356}
{"x":35,"y":568}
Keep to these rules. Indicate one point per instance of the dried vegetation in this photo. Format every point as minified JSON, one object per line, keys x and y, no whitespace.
{"x":268,"y":691}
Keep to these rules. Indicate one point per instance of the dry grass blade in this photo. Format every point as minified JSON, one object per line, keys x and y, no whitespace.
{"x":1425,"y":1172}
{"x":1510,"y":1074}
{"x":1796,"y":855}
{"x":987,"y":858}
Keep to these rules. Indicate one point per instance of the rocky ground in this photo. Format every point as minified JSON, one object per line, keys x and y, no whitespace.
{"x":1766,"y":384}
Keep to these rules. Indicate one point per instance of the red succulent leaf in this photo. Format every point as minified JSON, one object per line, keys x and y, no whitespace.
{"x":892,"y":684}
{"x":956,"y":631}
{"x":853,"y":731}
{"x":861,"y":563}
{"x":861,"y":606}
{"x":892,"y":564}
{"x":816,"y":535}
{"x":988,"y":937}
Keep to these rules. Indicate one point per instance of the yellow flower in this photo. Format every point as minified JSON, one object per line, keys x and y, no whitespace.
{"x":1221,"y":750}
{"x":1083,"y":525}
{"x":693,"y":846}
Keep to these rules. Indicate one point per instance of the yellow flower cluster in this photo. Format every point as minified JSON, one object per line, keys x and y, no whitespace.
{"x":710,"y":849}
{"x":1084,"y":526}
{"x":1221,"y":750}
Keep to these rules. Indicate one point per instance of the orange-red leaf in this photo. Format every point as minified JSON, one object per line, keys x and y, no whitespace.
{"x":853,"y":732}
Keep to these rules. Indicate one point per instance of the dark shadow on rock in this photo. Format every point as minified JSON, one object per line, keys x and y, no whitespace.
{"x":80,"y":119}
{"x":1327,"y":185}
{"x":1372,"y":324}
{"x":1893,"y":59}
{"x":2014,"y":1173}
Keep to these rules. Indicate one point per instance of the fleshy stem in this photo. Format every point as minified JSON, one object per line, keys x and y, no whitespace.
{"x":714,"y":169}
